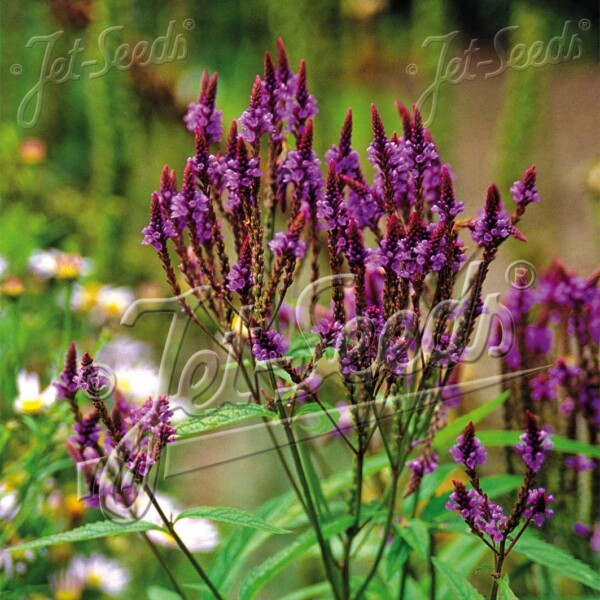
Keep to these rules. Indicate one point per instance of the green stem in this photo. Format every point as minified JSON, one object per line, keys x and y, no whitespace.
{"x":68,"y":317}
{"x":181,"y":545}
{"x":499,"y":560}
{"x":310,"y":507}
{"x":164,"y":566}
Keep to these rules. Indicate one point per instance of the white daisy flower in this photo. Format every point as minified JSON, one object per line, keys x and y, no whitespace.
{"x":66,"y":585}
{"x":100,"y":573}
{"x":111,"y":303}
{"x":48,"y":264}
{"x":8,"y":503}
{"x":30,"y":400}
{"x":3,"y":266}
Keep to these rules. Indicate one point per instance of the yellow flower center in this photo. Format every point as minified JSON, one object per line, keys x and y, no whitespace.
{"x":31,"y":406}
{"x":67,"y":595}
{"x":94,"y":580}
{"x":68,"y":270}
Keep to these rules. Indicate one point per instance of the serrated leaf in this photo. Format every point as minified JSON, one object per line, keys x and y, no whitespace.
{"x":155,"y":592}
{"x":446,"y":437}
{"x":227,"y":414}
{"x":561,"y":444}
{"x":234,"y":516}
{"x":504,"y":591}
{"x":460,"y":586}
{"x":258,"y":577}
{"x":91,"y":531}
{"x":551,"y":556}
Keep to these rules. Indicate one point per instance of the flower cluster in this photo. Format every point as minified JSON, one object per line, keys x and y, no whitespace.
{"x":483,"y":516}
{"x":129,"y":435}
{"x":557,"y":333}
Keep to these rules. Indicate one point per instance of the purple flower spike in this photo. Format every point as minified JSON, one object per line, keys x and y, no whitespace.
{"x":158,"y":231}
{"x":256,"y":120}
{"x":525,"y":192}
{"x":302,"y":169}
{"x":493,"y":224}
{"x":537,"y":506}
{"x":356,"y":253}
{"x":333,"y":211}
{"x":202,"y":114}
{"x":240,"y":278}
{"x":469,"y":451}
{"x":534,"y":444}
{"x":66,"y":388}
{"x":268,"y":345}
{"x":447,"y":207}
{"x":305,"y":107}
{"x":580,"y":463}
{"x":288,"y":243}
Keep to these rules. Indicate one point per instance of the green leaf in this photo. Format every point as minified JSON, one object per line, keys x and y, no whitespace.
{"x":227,"y":414}
{"x":397,"y":556}
{"x":504,"y":591}
{"x":303,"y":346}
{"x":91,"y":531}
{"x":155,"y":592}
{"x":497,"y":485}
{"x":446,"y":437}
{"x":258,"y":577}
{"x":459,"y":585}
{"x":561,"y":444}
{"x":416,"y":535}
{"x":242,"y":545}
{"x":556,"y":558}
{"x":234,"y":516}
{"x":318,"y":590}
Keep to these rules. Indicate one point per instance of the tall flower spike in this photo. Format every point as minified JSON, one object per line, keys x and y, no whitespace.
{"x":537,"y":508}
{"x":493,"y":224}
{"x":306,"y":104}
{"x":286,"y":86}
{"x":301,"y":168}
{"x":256,"y":120}
{"x":469,"y":450}
{"x":393,"y":169}
{"x":287,"y":243}
{"x":158,"y":231}
{"x":524,"y":192}
{"x":362,"y":204}
{"x":332,"y":210}
{"x":424,"y":161}
{"x":356,"y":255}
{"x":191,"y":207}
{"x":66,"y":388}
{"x":405,"y":117}
{"x":239,"y":278}
{"x":535,"y":443}
{"x":447,"y":207}
{"x":202,"y":114}
{"x":242,"y":173}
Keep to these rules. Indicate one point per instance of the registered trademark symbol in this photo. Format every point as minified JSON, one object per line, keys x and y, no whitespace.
{"x":189,"y":24}
{"x":16,"y":69}
{"x":412,"y":69}
{"x":520,"y":275}
{"x":585,"y":24}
